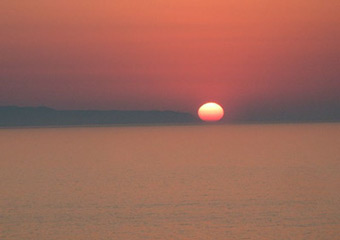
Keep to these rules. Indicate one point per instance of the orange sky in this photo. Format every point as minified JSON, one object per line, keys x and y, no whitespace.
{"x":159,"y":54}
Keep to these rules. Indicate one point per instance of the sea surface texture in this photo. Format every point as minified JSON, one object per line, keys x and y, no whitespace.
{"x":171,"y":182}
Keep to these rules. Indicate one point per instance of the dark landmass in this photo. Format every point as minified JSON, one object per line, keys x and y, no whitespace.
{"x":13,"y":116}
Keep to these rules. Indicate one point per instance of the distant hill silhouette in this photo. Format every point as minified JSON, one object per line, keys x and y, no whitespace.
{"x":12,"y":116}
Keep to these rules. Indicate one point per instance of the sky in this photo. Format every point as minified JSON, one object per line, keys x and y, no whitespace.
{"x":170,"y":55}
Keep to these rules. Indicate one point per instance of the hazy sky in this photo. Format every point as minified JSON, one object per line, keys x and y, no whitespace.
{"x":176,"y":55}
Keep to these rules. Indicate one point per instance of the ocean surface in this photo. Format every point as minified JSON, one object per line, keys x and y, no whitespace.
{"x":171,"y":182}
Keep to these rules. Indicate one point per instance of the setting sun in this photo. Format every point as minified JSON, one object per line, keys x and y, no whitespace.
{"x":210,"y":112}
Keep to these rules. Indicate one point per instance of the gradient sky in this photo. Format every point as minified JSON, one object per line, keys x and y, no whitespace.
{"x":174,"y":55}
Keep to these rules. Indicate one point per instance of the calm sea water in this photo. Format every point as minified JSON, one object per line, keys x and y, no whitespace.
{"x":184,"y":182}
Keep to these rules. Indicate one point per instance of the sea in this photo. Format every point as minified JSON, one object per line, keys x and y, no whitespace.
{"x":199,"y":182}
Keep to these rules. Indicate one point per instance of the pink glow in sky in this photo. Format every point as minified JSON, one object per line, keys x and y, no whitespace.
{"x":157,"y":54}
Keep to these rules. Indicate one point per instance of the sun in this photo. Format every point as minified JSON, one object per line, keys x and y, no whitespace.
{"x":210,"y":112}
